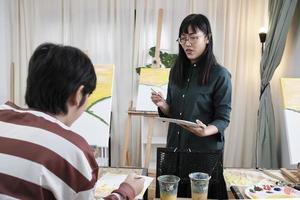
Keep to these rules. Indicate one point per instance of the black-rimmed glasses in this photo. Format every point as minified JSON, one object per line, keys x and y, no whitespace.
{"x":192,"y":39}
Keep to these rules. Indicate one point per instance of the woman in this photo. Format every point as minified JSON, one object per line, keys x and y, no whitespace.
{"x":199,"y":90}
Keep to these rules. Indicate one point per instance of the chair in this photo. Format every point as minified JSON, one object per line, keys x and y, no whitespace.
{"x":182,"y":163}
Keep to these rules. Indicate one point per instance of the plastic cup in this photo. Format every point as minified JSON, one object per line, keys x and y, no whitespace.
{"x":199,"y":185}
{"x":168,"y":185}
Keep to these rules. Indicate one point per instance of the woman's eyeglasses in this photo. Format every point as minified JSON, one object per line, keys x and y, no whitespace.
{"x":192,"y":39}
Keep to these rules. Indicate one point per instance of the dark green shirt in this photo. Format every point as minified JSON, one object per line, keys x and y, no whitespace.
{"x":210,"y":103}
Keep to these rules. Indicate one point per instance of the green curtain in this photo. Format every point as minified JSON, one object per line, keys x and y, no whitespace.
{"x":280,"y":16}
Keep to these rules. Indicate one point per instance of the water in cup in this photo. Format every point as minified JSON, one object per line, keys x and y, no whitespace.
{"x":199,"y":185}
{"x":168,"y":185}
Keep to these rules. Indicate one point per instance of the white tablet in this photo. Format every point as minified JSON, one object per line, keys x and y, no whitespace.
{"x":178,"y":121}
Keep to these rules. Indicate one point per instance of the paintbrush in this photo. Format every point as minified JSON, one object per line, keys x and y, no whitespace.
{"x":156,"y":93}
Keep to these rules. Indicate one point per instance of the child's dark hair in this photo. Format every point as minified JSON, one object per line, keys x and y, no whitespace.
{"x":55,"y":73}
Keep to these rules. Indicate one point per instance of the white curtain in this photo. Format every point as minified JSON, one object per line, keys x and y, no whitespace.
{"x":34,"y":22}
{"x":5,"y":53}
{"x":105,"y":30}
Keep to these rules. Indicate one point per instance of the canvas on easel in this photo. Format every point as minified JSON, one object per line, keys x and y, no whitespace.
{"x":94,"y":123}
{"x":151,"y":78}
{"x":291,"y":99}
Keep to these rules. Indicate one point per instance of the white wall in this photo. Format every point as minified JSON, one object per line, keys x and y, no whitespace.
{"x":289,"y":67}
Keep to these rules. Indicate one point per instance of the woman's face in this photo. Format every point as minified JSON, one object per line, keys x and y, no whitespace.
{"x":193,"y":43}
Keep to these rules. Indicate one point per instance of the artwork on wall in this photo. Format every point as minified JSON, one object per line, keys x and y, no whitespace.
{"x":291,"y":101}
{"x":94,"y":123}
{"x":155,"y":78}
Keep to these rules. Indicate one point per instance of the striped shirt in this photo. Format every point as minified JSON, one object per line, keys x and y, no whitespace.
{"x":41,"y":158}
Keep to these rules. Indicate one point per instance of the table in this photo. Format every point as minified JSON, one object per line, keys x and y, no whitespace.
{"x":122,"y":170}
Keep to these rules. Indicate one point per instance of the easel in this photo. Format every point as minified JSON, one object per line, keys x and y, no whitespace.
{"x":126,"y":160}
{"x":298,"y":170}
{"x":12,"y":82}
{"x":149,"y":114}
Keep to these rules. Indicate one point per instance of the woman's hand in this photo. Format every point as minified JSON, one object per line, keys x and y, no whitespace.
{"x":158,"y":99}
{"x":199,"y":131}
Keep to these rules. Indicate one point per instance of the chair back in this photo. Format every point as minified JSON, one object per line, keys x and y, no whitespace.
{"x":182,"y":163}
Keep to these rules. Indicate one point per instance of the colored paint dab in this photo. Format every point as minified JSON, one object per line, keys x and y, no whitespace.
{"x":288,"y":190}
{"x":256,"y":188}
{"x":267,"y":187}
{"x":277,"y":189}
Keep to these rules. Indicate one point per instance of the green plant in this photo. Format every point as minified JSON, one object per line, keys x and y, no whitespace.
{"x":165,"y":58}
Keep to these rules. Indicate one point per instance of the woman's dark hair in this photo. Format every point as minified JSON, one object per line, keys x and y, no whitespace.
{"x":55,"y":73}
{"x":207,"y":59}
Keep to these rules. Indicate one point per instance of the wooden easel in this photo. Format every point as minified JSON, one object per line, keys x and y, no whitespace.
{"x":150,"y":114}
{"x":126,"y":160}
{"x":12,"y":82}
{"x":298,"y":170}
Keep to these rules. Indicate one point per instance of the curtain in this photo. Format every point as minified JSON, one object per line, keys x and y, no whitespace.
{"x":280,"y":16}
{"x":34,"y":22}
{"x":5,"y":55}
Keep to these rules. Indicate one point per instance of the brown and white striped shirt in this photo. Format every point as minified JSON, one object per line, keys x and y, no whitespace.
{"x":41,"y":158}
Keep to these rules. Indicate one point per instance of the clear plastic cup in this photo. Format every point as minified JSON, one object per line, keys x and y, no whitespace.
{"x":168,"y":185}
{"x":199,"y":185}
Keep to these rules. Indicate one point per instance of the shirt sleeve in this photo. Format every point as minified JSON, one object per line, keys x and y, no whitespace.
{"x":125,"y":190}
{"x":222,"y":102}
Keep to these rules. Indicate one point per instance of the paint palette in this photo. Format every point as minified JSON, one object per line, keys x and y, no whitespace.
{"x":246,"y":177}
{"x":271,"y":192}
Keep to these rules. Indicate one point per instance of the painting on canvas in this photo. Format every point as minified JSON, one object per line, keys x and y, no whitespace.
{"x":291,"y":99}
{"x":94,"y":123}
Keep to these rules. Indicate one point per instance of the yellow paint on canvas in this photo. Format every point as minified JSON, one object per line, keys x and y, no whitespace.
{"x":291,"y":93}
{"x":104,"y":83}
{"x":154,"y":76}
